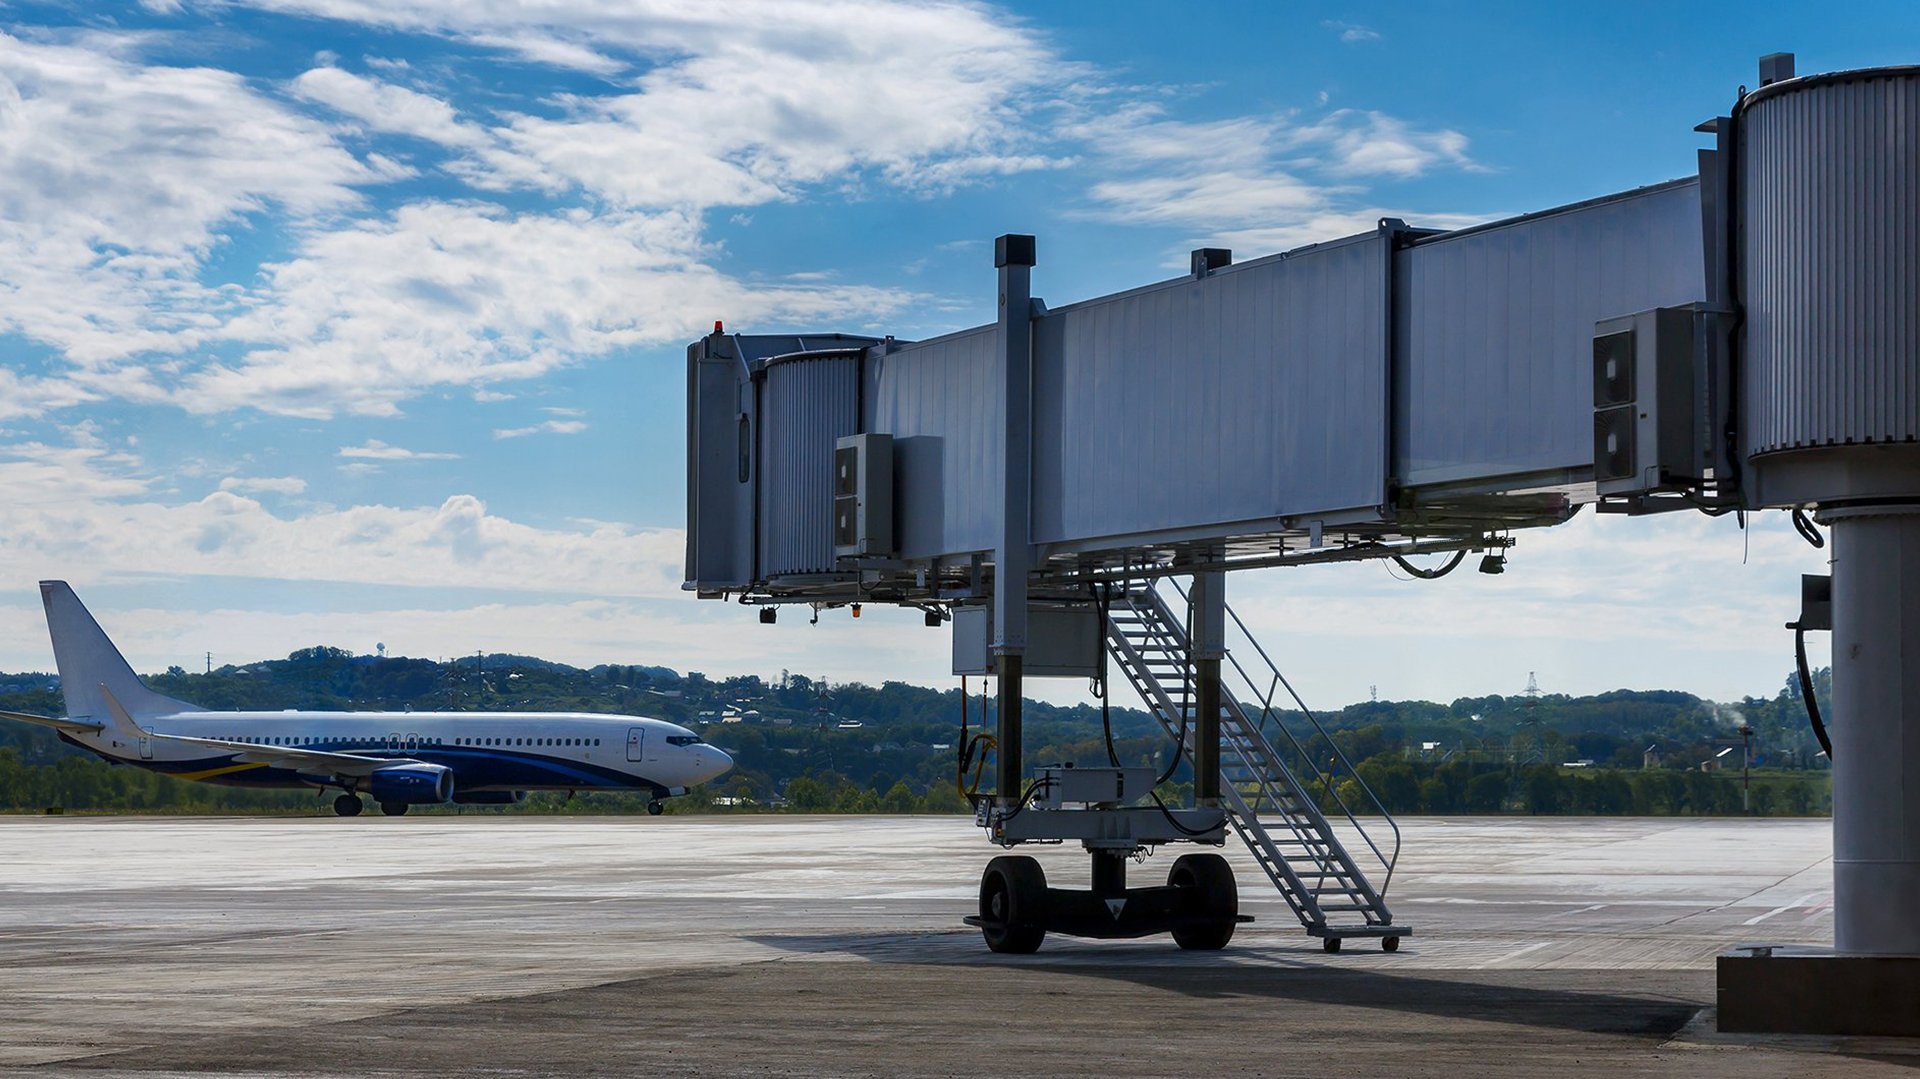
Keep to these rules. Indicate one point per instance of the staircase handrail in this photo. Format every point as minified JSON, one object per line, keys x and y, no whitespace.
{"x":1389,"y":861}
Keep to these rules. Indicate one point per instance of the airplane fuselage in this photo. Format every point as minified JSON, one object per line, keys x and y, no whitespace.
{"x":486,"y":751}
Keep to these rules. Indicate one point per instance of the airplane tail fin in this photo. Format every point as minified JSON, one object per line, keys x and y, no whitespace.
{"x":91,"y":668}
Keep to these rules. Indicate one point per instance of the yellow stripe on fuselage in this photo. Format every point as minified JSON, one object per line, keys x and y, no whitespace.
{"x":211,"y":772}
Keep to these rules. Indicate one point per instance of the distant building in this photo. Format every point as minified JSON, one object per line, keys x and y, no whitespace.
{"x":1650,"y":757}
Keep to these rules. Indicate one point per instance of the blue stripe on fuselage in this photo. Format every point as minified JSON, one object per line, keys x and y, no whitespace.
{"x":474,"y":768}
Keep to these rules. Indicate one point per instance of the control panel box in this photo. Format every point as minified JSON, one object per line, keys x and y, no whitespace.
{"x":1060,"y":785}
{"x":1062,"y":642}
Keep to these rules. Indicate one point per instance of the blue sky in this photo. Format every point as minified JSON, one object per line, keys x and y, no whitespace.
{"x":335,"y":321}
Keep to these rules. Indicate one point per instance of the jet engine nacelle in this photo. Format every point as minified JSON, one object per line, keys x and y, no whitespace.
{"x":412,"y":784}
{"x":490,"y":798}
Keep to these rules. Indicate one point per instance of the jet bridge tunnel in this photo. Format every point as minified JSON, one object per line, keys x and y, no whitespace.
{"x":1746,"y":337}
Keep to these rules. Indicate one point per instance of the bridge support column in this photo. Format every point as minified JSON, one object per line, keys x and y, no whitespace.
{"x":1876,"y":730}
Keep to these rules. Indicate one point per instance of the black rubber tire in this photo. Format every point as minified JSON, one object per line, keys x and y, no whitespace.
{"x":1331,"y":944}
{"x":393,"y":809}
{"x":1013,"y":900}
{"x":347,"y":805}
{"x":656,"y":807}
{"x":1213,"y":877}
{"x":1390,"y":944}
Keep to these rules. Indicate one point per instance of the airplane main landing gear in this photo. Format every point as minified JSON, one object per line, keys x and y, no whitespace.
{"x":347,"y":805}
{"x":656,"y":807}
{"x":393,"y":809}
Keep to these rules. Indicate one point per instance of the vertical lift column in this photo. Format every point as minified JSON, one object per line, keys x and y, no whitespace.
{"x":1013,"y":257}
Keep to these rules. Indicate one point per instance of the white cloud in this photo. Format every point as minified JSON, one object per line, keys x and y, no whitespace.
{"x":118,"y":179}
{"x":456,"y":544}
{"x":1261,"y":183}
{"x":1599,"y":603}
{"x":1364,"y":143}
{"x":280,"y":485}
{"x":1351,"y":33}
{"x":465,"y":293}
{"x":375,"y":450}
{"x":551,"y":427}
{"x":64,"y":478}
{"x":746,"y":103}
{"x":384,"y":106}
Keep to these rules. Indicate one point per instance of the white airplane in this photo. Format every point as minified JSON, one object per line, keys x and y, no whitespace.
{"x":401,"y":759}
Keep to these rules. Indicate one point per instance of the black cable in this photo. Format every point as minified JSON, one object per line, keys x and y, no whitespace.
{"x":1432,"y":574}
{"x":1175,"y":821}
{"x":1806,"y":689}
{"x":1104,"y":599}
{"x":1808,"y":532}
{"x":1037,"y":786}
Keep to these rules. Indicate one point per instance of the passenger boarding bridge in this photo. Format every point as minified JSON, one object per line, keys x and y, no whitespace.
{"x":1069,"y":487}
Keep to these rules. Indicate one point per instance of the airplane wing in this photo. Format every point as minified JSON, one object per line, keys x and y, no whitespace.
{"x":308,"y":761}
{"x":73,"y":726}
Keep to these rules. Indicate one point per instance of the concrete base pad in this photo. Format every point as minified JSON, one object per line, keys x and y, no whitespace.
{"x":1817,"y":991}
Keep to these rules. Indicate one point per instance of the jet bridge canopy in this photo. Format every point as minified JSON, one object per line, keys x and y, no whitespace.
{"x":1399,"y":387}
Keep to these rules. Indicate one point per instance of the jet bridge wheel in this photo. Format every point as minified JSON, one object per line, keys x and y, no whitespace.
{"x":393,"y":809}
{"x":1013,"y":897}
{"x":1210,"y":875}
{"x":347,"y":805}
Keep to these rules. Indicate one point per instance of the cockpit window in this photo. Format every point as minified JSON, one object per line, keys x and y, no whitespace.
{"x":683,"y":739}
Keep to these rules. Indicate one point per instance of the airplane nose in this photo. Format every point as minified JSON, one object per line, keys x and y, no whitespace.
{"x":715,"y":762}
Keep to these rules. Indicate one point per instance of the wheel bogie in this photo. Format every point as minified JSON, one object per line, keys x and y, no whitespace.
{"x":1217,"y":904}
{"x":393,"y":809}
{"x":347,"y":805}
{"x":1013,"y":896}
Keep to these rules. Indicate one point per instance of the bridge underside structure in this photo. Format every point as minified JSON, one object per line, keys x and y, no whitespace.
{"x":1745,"y":337}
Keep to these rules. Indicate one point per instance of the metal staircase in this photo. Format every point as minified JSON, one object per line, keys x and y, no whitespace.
{"x":1264,"y":753}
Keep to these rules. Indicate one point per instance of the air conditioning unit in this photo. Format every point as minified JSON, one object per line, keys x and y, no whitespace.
{"x":1649,"y":424}
{"x":863,"y":496}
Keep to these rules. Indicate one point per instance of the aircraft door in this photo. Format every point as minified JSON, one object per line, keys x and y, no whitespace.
{"x":393,"y":740}
{"x":413,"y":741}
{"x":146,"y":744}
{"x":636,"y":743}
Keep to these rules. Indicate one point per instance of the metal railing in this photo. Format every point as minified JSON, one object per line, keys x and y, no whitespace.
{"x":1276,"y":719}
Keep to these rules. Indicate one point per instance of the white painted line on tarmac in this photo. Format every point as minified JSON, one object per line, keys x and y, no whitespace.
{"x":1515,"y":955}
{"x":1800,"y":902}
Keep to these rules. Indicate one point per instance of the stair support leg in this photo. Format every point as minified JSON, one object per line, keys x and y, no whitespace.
{"x":1209,"y":614}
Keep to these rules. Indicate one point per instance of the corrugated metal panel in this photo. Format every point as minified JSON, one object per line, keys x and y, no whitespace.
{"x":1830,"y":194}
{"x":940,"y":400}
{"x":1257,"y":392}
{"x":1496,"y":329}
{"x":806,"y":403}
{"x":719,"y":487}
